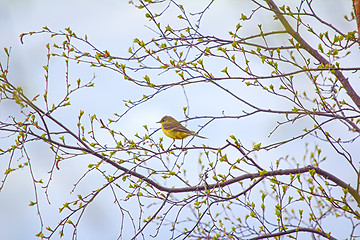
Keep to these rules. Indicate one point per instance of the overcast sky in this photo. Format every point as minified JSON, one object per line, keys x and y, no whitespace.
{"x":111,"y":25}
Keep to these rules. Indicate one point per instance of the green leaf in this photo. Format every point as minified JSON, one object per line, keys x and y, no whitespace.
{"x":257,"y":146}
{"x":294,"y":110}
{"x":312,"y":172}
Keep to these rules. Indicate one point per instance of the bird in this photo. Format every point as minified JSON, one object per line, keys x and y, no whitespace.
{"x":173,"y":129}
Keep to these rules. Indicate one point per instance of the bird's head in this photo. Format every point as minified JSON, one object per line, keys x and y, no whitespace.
{"x":167,"y":119}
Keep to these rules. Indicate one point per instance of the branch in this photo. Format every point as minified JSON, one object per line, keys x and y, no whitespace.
{"x":262,"y":174}
{"x":153,"y":216}
{"x":295,"y":230}
{"x":356,"y":4}
{"x":344,"y":81}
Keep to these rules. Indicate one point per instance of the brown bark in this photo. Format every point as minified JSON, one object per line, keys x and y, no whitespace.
{"x":356,"y":4}
{"x":344,"y":81}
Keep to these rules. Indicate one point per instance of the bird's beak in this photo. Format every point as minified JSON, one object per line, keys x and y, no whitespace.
{"x":158,"y":122}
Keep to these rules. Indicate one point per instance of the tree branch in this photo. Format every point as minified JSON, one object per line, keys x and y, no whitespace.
{"x":356,"y":4}
{"x":295,"y":230}
{"x":306,"y":169}
{"x":344,"y":81}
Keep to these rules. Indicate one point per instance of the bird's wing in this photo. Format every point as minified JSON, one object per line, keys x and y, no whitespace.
{"x":185,"y":130}
{"x":178,"y":128}
{"x":181,"y":128}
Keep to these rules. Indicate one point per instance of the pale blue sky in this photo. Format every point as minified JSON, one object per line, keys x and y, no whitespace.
{"x":113,"y":25}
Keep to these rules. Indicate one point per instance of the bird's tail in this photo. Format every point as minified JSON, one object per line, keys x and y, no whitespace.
{"x":196,"y":135}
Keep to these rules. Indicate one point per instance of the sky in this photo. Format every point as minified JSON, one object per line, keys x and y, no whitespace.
{"x":109,"y":25}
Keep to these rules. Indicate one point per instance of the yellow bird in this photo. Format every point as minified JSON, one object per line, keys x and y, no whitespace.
{"x":173,"y":129}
